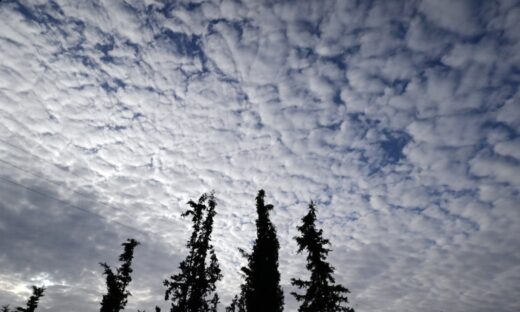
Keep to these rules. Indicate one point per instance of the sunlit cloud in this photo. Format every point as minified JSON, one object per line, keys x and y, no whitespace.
{"x":400,"y":119}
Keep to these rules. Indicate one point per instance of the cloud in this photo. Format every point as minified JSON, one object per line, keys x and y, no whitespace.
{"x":398,"y":118}
{"x":460,"y":17}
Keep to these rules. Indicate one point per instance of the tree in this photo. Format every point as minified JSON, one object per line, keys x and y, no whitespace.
{"x":117,"y":296}
{"x":190,"y":290}
{"x":261,"y":291}
{"x":321,"y":291}
{"x":32,"y":303}
{"x":237,"y":305}
{"x":157,"y":309}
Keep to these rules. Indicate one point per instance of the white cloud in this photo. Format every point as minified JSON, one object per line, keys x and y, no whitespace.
{"x":499,"y":169}
{"x":459,"y":17}
{"x":509,"y":148}
{"x":400,"y":127}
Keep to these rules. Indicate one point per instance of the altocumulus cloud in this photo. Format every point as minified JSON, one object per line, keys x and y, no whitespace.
{"x":400,"y":118}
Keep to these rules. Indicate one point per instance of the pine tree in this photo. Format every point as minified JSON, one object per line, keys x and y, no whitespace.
{"x":117,"y":296}
{"x":214,"y":303}
{"x":157,"y":309}
{"x":237,"y":305}
{"x":261,"y":291}
{"x":321,"y":292}
{"x":32,"y":303}
{"x":190,"y":290}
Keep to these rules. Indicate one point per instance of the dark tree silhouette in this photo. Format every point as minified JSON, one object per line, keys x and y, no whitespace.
{"x":31,"y":304}
{"x":157,"y":309}
{"x":191,"y":289}
{"x":261,"y":291}
{"x":321,"y":292}
{"x":237,"y":305}
{"x":214,"y":303}
{"x":117,"y":296}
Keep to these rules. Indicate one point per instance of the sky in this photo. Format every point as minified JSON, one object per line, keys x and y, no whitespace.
{"x":400,"y":119}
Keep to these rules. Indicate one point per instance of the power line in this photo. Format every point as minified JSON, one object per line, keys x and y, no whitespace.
{"x":84,"y":210}
{"x":84,"y":195}
{"x":72,"y":205}
{"x":34,"y":174}
{"x":36,"y":156}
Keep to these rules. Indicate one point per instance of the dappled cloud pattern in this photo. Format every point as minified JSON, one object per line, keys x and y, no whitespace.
{"x":400,"y":119}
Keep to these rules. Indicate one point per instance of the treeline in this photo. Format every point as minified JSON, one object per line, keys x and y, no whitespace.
{"x":193,"y":288}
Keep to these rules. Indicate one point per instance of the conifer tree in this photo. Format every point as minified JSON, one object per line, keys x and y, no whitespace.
{"x":321,"y":292}
{"x":157,"y":309}
{"x":237,"y":305}
{"x":190,"y":290}
{"x":261,"y":291}
{"x":31,"y":304}
{"x":117,"y":296}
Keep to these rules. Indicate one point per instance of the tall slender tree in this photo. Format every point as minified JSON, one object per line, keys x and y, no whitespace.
{"x":261,"y":291}
{"x":192,"y":288}
{"x":157,"y":309}
{"x":117,"y":295}
{"x":31,"y":304}
{"x":321,"y":291}
{"x":237,"y":305}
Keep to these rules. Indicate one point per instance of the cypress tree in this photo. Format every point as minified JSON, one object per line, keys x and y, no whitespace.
{"x":117,"y":296}
{"x":261,"y":291}
{"x":190,"y":290}
{"x":32,"y":303}
{"x":321,"y":292}
{"x":237,"y":305}
{"x":157,"y":309}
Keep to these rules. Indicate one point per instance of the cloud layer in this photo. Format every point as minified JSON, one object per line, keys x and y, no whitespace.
{"x":399,"y":118}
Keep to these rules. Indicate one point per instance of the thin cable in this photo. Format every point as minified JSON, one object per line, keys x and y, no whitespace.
{"x":35,"y":174}
{"x":36,"y":156}
{"x":72,"y":205}
{"x":84,"y":195}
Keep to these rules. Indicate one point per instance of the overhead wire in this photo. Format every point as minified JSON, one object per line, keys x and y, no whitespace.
{"x":82,"y":194}
{"x":65,"y":202}
{"x":61,"y":186}
{"x":72,"y":205}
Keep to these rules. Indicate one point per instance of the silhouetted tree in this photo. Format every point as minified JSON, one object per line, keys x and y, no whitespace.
{"x":117,"y":296}
{"x":214,"y":303}
{"x":261,"y":291}
{"x":31,"y":304}
{"x":237,"y":304}
{"x":321,"y":292}
{"x":190,"y":290}
{"x":157,"y":309}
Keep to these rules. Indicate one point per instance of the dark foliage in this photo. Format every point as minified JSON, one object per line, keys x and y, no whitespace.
{"x":31,"y":304}
{"x":321,"y":292}
{"x":117,"y":296}
{"x":157,"y":309}
{"x":237,"y":305}
{"x":214,"y":303}
{"x":191,"y":289}
{"x":261,"y":291}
